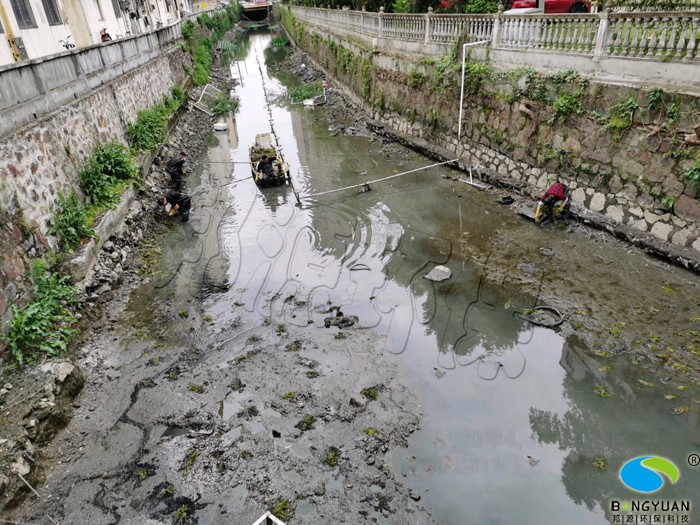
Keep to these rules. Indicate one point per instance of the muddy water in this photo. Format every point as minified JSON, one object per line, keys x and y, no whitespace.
{"x":520,"y":424}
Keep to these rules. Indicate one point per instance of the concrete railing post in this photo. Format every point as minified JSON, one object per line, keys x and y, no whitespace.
{"x":496,"y":34}
{"x":601,"y":36}
{"x":427,"y":26}
{"x":381,"y":22}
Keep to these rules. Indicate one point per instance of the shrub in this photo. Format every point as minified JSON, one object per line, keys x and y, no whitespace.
{"x":149,"y":129}
{"x":310,"y":90}
{"x":225,"y":103}
{"x":179,"y":95}
{"x":44,"y":325}
{"x":97,"y":186}
{"x":115,"y":161}
{"x":69,"y":221}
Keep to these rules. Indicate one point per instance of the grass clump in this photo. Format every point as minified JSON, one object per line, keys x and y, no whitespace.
{"x":621,"y":117}
{"x":311,"y":90}
{"x":245,"y":454}
{"x":289,"y":396}
{"x":70,"y":222}
{"x":333,"y":456}
{"x":306,"y":424}
{"x":225,"y":103}
{"x":192,"y":387}
{"x":281,"y":510}
{"x":182,"y":516}
{"x":601,"y":464}
{"x":143,"y":473}
{"x":370,"y":393}
{"x":44,"y":325}
{"x":167,"y":492}
{"x":189,"y":463}
{"x":149,"y":129}
{"x":602,"y":392}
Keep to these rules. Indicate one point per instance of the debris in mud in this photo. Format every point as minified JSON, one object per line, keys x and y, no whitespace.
{"x":439,"y":273}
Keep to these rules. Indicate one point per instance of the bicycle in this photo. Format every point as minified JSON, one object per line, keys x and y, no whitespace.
{"x":65,"y":43}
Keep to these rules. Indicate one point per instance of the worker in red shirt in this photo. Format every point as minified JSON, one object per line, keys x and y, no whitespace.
{"x":553,"y":202}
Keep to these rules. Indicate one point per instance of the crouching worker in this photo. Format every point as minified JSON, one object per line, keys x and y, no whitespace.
{"x":555,"y":201}
{"x":265,"y":170}
{"x":176,"y":202}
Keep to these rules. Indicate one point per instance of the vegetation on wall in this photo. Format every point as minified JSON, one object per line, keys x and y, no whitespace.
{"x":44,"y":326}
{"x":200,"y":39}
{"x":151,"y":124}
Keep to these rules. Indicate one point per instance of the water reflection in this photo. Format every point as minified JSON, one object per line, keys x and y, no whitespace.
{"x":599,"y":435}
{"x":510,"y":400}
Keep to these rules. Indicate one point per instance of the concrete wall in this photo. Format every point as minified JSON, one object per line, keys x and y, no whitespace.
{"x":34,"y":88}
{"x":630,"y":181}
{"x":40,"y":159}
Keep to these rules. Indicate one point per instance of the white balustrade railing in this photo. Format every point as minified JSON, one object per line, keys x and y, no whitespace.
{"x":403,"y":27}
{"x":672,"y":36}
{"x":663,"y":36}
{"x":564,"y":33}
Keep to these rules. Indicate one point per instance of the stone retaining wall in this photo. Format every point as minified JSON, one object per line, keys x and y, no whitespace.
{"x":41,"y":160}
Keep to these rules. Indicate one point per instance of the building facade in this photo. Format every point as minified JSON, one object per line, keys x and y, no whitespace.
{"x":32,"y":29}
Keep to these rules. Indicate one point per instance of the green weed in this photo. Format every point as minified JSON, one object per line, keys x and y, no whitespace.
{"x":192,"y":387}
{"x":370,"y":393}
{"x":281,"y":510}
{"x":44,"y":325}
{"x":601,"y":464}
{"x":621,"y":117}
{"x":69,"y":222}
{"x":310,"y":90}
{"x":306,"y":424}
{"x":602,"y":392}
{"x":166,"y":492}
{"x":225,"y":103}
{"x":333,"y":456}
{"x":149,"y":129}
{"x":182,"y":516}
{"x":566,"y":105}
{"x":189,"y":463}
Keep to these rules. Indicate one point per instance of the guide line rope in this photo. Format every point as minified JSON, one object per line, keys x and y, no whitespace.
{"x":365,"y":185}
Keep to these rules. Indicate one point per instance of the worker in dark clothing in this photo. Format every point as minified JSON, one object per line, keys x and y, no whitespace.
{"x":175,"y":167}
{"x":554,"y":202}
{"x":264,"y":169}
{"x":177,"y":202}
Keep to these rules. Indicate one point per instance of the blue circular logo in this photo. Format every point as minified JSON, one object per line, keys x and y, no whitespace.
{"x":643,"y":474}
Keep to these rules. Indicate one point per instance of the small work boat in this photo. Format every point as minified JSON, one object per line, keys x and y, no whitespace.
{"x":263,"y":146}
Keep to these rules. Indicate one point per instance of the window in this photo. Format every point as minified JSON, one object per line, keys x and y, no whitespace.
{"x":52,"y":13}
{"x":23,"y":14}
{"x":117,"y":9}
{"x":99,"y":8}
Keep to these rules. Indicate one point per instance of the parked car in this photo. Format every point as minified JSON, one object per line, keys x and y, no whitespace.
{"x":551,"y":6}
